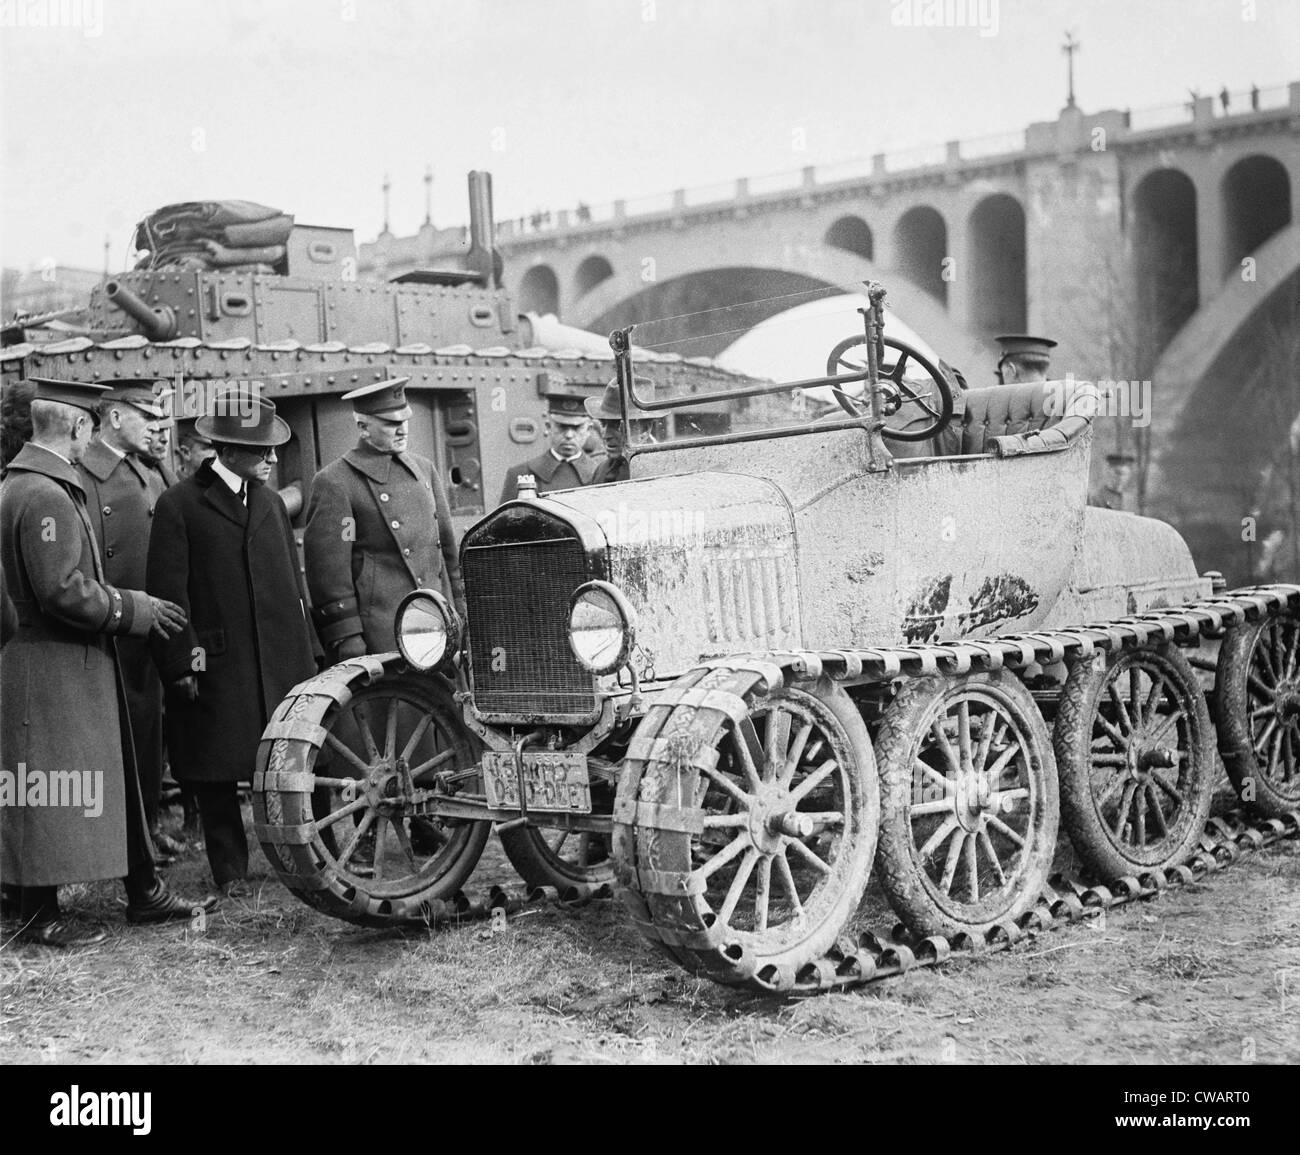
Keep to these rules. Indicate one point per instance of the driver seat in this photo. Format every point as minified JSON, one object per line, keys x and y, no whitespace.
{"x":1028,"y":417}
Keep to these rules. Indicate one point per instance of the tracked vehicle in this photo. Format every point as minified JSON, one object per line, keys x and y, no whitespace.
{"x":895,"y":634}
{"x":293,"y":319}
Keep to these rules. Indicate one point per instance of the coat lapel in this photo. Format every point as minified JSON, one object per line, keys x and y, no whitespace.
{"x":217,"y":494}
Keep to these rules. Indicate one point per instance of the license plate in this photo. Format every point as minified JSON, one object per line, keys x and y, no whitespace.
{"x":553,"y":780}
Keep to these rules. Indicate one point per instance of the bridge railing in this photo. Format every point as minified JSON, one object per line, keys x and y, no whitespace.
{"x":1244,"y":103}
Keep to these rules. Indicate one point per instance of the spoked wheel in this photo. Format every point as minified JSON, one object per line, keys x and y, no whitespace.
{"x":969,"y":802}
{"x":340,"y":824}
{"x":1257,"y":707}
{"x":1132,"y":742}
{"x":554,"y":856}
{"x":754,"y":831}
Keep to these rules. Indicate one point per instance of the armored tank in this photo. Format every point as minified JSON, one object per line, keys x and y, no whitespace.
{"x":293,"y":318}
{"x":778,"y":655}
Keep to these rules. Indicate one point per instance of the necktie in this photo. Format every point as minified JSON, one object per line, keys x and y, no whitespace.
{"x":243,"y":493}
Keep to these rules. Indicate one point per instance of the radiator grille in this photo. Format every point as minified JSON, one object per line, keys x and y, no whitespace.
{"x":518,"y":599}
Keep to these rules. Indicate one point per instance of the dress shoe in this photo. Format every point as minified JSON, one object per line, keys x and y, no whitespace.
{"x":63,"y":933}
{"x":163,"y":906}
{"x":11,"y":902}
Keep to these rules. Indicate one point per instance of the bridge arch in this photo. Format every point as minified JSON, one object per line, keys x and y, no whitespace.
{"x":1165,"y":253}
{"x":539,"y":291}
{"x":1226,"y":404}
{"x":1256,"y":205}
{"x":921,"y":245}
{"x":996,"y":265}
{"x":828,"y":269}
{"x":591,"y":272}
{"x":853,"y":235}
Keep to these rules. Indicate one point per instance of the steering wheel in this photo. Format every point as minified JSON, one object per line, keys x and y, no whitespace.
{"x":929,"y":401}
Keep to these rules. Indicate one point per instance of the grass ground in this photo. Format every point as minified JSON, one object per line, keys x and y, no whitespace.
{"x":1207,"y":974}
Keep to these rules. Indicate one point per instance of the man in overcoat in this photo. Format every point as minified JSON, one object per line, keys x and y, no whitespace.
{"x":71,"y":808}
{"x":378,"y":526}
{"x":563,"y":465}
{"x":222,"y":547}
{"x":121,"y":492}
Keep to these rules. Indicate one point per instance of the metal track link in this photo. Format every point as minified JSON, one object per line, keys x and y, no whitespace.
{"x":852,"y":963}
{"x":871,"y":957}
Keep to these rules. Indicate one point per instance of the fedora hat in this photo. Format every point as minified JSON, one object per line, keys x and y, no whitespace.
{"x":606,"y":407}
{"x":240,"y":417}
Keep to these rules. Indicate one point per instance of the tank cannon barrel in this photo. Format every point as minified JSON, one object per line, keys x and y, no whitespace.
{"x":157,"y":324}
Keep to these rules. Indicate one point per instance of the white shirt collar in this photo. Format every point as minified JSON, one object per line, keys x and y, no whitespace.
{"x":55,"y":452}
{"x":233,"y":481}
{"x":114,"y":448}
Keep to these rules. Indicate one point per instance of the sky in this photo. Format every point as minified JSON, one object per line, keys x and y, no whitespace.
{"x":305,"y":105}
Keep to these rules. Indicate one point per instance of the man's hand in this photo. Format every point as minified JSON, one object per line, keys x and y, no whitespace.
{"x":352,"y":647}
{"x":188,"y":687}
{"x":168,"y":617}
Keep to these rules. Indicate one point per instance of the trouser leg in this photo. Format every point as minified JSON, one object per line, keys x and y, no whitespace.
{"x":40,"y":904}
{"x":141,"y":883}
{"x":223,"y":830}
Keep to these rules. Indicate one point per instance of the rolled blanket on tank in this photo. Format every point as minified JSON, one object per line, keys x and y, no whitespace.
{"x":213,"y":234}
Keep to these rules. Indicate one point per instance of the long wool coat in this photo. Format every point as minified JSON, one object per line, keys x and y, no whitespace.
{"x":378,"y":526}
{"x":550,"y":472}
{"x":121,"y":493}
{"x":61,"y":704}
{"x":248,"y":642}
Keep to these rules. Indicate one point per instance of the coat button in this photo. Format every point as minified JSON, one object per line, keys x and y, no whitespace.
{"x":406,"y":552}
{"x":109,"y":551}
{"x":395,"y":523}
{"x":383,"y":497}
{"x":107,"y":510}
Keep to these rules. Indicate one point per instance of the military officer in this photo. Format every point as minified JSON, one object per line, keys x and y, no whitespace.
{"x":606,"y":410}
{"x":563,"y":465}
{"x":121,"y":492}
{"x":378,"y":526}
{"x":1023,"y":358}
{"x":192,"y":449}
{"x":60,"y":716}
{"x":1114,"y":492}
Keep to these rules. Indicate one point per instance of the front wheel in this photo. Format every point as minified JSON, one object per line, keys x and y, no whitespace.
{"x":969,"y":803}
{"x":338,"y":768}
{"x":745,"y":835}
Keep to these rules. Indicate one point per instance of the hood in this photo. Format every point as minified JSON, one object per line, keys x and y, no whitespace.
{"x":708,"y":561}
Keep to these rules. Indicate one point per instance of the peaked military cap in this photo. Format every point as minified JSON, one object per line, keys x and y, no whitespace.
{"x":185,"y":430}
{"x":147,"y":394}
{"x":83,"y":394}
{"x":566,"y":410}
{"x":242,"y":417}
{"x":386,"y":399}
{"x":1016,"y":344}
